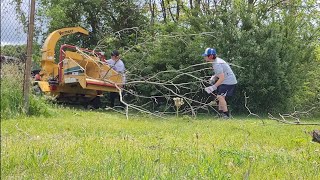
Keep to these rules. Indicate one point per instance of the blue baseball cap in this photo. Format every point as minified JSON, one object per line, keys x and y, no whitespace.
{"x":209,"y":51}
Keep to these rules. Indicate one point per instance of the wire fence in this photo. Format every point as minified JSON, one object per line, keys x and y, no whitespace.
{"x":17,"y":20}
{"x":14,"y":31}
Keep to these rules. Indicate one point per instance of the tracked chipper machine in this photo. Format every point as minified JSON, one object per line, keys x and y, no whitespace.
{"x":80,"y":76}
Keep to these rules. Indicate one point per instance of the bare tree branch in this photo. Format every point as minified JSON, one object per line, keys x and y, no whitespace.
{"x":285,"y":121}
{"x":245,"y":105}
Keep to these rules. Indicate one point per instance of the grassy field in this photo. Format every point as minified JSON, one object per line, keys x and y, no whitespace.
{"x":104,"y":145}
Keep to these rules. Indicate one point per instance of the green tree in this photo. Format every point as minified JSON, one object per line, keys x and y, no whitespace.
{"x":274,"y":43}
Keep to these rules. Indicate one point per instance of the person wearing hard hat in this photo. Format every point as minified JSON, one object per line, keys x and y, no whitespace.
{"x":224,"y":81}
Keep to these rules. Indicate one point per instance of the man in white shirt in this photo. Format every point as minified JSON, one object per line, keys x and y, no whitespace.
{"x":116,"y":64}
{"x":226,"y":80}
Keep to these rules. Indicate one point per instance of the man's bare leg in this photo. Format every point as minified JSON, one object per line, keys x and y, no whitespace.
{"x":223,"y":105}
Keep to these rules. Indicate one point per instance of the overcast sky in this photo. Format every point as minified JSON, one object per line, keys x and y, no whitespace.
{"x":11,"y":29}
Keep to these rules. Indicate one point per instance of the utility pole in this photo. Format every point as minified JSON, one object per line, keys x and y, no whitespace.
{"x":27,"y":70}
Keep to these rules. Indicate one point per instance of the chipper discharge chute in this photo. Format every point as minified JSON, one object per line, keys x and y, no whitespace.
{"x":80,"y":76}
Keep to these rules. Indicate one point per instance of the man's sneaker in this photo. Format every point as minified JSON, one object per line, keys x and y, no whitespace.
{"x":224,"y":116}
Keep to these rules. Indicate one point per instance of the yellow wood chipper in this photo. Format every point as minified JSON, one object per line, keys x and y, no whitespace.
{"x":80,"y":76}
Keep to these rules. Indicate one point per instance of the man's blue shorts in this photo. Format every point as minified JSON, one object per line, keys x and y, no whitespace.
{"x":226,"y":89}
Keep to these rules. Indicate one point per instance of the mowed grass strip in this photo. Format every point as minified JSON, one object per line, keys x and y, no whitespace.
{"x":103,"y":145}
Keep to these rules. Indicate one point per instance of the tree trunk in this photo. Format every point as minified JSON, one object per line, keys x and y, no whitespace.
{"x":171,"y":14}
{"x":164,"y":13}
{"x":178,"y":9}
{"x":151,"y":8}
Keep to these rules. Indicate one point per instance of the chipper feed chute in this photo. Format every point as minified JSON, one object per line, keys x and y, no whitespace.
{"x":89,"y":72}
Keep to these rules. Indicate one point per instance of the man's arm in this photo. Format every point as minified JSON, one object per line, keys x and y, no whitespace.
{"x":214,"y":87}
{"x":218,"y":69}
{"x":213,"y":79}
{"x":220,"y":80}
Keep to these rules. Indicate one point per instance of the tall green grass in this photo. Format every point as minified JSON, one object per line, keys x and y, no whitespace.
{"x":11,"y":90}
{"x":12,"y":94}
{"x":102,"y":145}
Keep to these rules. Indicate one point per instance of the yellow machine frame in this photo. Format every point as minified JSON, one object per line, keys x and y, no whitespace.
{"x":80,"y":75}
